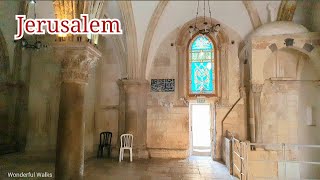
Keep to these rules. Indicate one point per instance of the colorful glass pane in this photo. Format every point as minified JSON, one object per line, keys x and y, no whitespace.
{"x":201,"y":66}
{"x":202,"y":43}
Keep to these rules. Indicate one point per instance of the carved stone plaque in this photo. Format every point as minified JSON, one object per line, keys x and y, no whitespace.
{"x":162,"y":85}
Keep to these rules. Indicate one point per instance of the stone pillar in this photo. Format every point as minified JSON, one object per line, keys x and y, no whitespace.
{"x":181,"y":71}
{"x":76,"y":61}
{"x":256,"y":92}
{"x":136,"y":96}
{"x":122,"y":110}
{"x":243,"y":94}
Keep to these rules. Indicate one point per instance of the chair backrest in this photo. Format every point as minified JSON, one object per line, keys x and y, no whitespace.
{"x":126,"y":140}
{"x":105,"y":138}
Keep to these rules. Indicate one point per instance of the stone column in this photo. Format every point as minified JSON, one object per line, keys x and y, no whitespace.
{"x":243,"y":94}
{"x":122,"y":110}
{"x":76,"y":61}
{"x":136,"y":96}
{"x":181,"y":71}
{"x":256,"y":92}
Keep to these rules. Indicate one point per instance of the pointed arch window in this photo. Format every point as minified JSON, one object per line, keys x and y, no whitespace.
{"x":201,"y":66}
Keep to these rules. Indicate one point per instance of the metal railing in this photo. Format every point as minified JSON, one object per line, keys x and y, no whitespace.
{"x":273,"y":160}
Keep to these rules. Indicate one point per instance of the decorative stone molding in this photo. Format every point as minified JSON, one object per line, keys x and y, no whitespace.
{"x":222,"y":105}
{"x":256,"y":88}
{"x":76,"y":68}
{"x":110,"y":107}
{"x":76,"y":59}
{"x":128,"y":82}
{"x":131,"y":38}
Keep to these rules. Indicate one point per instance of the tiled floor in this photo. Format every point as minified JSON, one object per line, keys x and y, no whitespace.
{"x":195,"y":167}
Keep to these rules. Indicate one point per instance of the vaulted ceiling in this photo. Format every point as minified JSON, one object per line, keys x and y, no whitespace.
{"x":147,"y":23}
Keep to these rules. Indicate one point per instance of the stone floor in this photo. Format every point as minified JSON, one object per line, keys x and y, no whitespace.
{"x":195,"y":167}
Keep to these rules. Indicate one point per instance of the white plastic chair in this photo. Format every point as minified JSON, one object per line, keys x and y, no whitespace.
{"x":126,"y":141}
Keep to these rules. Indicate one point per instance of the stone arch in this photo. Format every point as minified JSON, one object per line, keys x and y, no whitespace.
{"x":214,"y":44}
{"x":221,"y":41}
{"x":284,"y":83}
{"x":149,"y":34}
{"x":120,"y":51}
{"x":263,"y":48}
{"x":131,"y":37}
{"x":285,"y":63}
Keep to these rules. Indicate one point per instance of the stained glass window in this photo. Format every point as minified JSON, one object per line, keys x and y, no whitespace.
{"x":201,"y":66}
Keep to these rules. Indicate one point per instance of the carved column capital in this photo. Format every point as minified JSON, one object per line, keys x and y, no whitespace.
{"x":256,"y":88}
{"x":76,"y":59}
{"x":77,"y":68}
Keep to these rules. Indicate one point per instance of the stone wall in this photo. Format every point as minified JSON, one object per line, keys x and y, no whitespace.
{"x":279,"y":108}
{"x":43,"y":103}
{"x":280,"y":97}
{"x":168,"y":116}
{"x":107,"y":99}
{"x":5,"y":135}
{"x":309,"y":134}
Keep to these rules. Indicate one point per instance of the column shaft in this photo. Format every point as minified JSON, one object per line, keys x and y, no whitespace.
{"x":136,"y":96}
{"x":70,"y":144}
{"x":256,"y":89}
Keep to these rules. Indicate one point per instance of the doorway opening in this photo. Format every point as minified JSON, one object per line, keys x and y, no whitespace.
{"x":200,"y":129}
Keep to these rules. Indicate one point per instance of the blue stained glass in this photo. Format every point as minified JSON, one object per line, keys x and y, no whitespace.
{"x":201,"y":78}
{"x":201,"y":66}
{"x":202,"y":43}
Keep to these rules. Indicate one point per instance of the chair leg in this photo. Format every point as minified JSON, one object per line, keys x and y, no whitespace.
{"x":130,"y":155}
{"x":120,"y":156}
{"x":98,"y":154}
{"x":102,"y":151}
{"x":109,"y":152}
{"x":122,"y":153}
